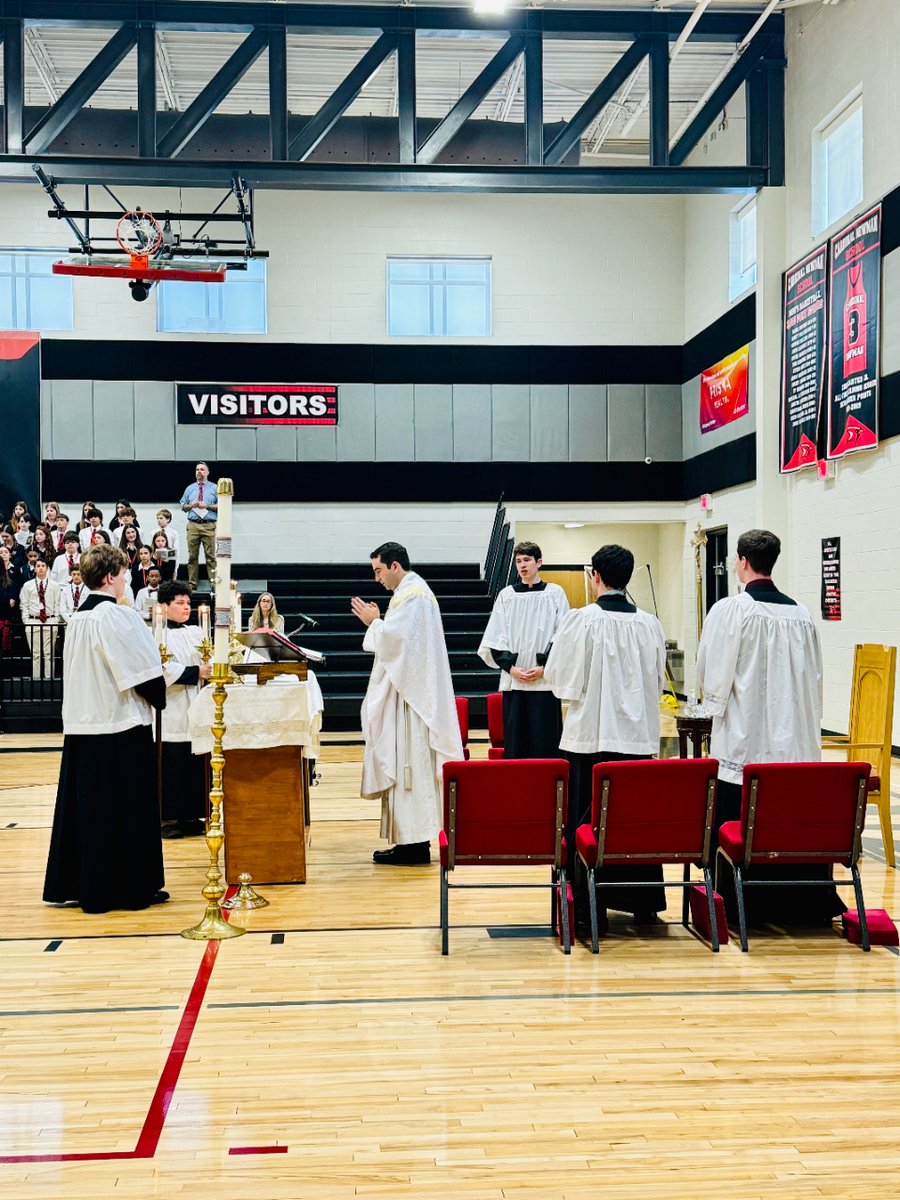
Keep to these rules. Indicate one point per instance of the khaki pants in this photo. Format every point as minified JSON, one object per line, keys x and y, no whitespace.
{"x":201,"y":534}
{"x":42,"y":641}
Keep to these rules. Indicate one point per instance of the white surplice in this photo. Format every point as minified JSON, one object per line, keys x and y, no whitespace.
{"x":183,"y":643}
{"x":760,"y":672}
{"x":611,"y":668}
{"x":409,"y":718}
{"x":523,"y":623}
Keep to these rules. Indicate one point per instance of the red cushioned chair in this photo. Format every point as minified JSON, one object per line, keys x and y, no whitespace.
{"x":798,"y":813}
{"x":495,"y":724}
{"x":502,"y":814}
{"x":462,"y":715}
{"x":652,"y":813}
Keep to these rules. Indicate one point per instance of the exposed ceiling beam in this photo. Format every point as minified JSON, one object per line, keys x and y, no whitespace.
{"x":42,"y":64}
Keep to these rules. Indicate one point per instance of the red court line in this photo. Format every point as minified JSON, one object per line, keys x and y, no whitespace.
{"x":258,"y":1150}
{"x":148,"y":1140}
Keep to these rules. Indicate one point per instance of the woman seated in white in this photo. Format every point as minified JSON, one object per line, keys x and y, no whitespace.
{"x":265,"y":615}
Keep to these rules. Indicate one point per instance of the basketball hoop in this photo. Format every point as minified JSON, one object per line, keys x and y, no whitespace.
{"x":139,"y":234}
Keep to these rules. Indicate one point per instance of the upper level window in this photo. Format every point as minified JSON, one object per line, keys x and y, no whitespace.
{"x":742,"y":249}
{"x":439,"y":297}
{"x":837,"y":164}
{"x":31,"y":296}
{"x":236,"y":306}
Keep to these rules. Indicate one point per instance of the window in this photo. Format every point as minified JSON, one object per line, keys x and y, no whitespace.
{"x":236,"y":306}
{"x":742,"y":249}
{"x":31,"y":296}
{"x":438,"y":297}
{"x":837,"y":161}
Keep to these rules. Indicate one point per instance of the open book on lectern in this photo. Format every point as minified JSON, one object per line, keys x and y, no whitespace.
{"x":273,"y":647}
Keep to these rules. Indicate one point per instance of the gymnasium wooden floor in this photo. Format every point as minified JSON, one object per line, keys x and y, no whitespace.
{"x":333,"y":1052}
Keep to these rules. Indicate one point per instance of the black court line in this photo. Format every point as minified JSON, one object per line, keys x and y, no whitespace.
{"x":518,"y":931}
{"x":675,"y":994}
{"x":277,"y":939}
{"x":77,"y":1012}
{"x":54,"y":945}
{"x":12,"y":825}
{"x":30,"y":749}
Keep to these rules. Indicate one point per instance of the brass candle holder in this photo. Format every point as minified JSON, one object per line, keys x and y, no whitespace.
{"x":246,"y":896}
{"x":213,"y":925}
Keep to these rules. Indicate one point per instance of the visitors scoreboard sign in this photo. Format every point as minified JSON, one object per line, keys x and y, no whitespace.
{"x":804,"y":366}
{"x":724,"y":394}
{"x":257,"y":404}
{"x":855,"y":288}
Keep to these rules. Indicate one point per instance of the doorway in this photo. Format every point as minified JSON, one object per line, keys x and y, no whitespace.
{"x":716,"y":565}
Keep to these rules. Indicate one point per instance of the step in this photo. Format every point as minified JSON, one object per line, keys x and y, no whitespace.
{"x":302,"y":585}
{"x":360,"y":570}
{"x":345,"y":683}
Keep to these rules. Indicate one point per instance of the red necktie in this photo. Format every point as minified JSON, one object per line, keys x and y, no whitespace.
{"x":93,"y":539}
{"x":59,"y":544}
{"x":71,"y":562}
{"x":76,"y":596}
{"x":42,"y":616}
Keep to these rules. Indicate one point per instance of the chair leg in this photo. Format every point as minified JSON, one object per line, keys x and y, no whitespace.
{"x":711,"y":909}
{"x":686,"y":895}
{"x":554,"y":883}
{"x":445,"y":896}
{"x":563,"y":902}
{"x":592,"y":900}
{"x":861,"y":908}
{"x":742,"y":916}
{"x":887,"y":832}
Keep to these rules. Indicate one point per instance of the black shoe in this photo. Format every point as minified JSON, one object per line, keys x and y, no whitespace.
{"x":192,"y":828}
{"x":170,"y":831}
{"x":413,"y":854}
{"x":156,"y":898}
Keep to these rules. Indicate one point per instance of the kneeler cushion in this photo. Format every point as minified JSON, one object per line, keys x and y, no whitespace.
{"x":570,"y":900}
{"x":700,"y":914}
{"x":882,"y":930}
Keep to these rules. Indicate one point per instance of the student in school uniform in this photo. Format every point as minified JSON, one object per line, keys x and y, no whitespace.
{"x":94,"y":531}
{"x":162,"y":556}
{"x":128,"y":539}
{"x":39,"y":603}
{"x":60,"y":529}
{"x":72,"y":594}
{"x":64,"y":562}
{"x":164,"y":521}
{"x":42,"y":541}
{"x":148,"y":596}
{"x":10,"y":586}
{"x":23,"y":529}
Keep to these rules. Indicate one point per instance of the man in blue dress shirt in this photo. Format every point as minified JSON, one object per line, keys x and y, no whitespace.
{"x":200,"y":502}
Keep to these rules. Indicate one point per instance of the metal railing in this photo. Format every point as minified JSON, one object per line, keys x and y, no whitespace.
{"x":31,"y":675}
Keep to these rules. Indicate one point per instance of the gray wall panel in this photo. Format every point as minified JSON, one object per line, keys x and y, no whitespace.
{"x":236,"y":444}
{"x":664,"y":422}
{"x":472,"y":422}
{"x":316,"y":443}
{"x":193,"y":443}
{"x":587,"y":422}
{"x":47,"y":418}
{"x":434,"y":422}
{"x":626,"y":440}
{"x":73,"y":418}
{"x":549,"y":422}
{"x":356,"y":422}
{"x":114,"y":420}
{"x":394,"y":422}
{"x":510,"y":422}
{"x":276,"y":443}
{"x":154,"y":420}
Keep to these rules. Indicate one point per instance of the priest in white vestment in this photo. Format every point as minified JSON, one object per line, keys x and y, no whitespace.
{"x":409,"y":718}
{"x":516,"y":642}
{"x":759,"y":669}
{"x":609,"y":663}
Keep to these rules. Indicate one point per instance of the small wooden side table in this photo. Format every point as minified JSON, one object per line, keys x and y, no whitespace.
{"x":698,"y":729}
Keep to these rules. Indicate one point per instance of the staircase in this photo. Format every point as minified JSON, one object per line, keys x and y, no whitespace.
{"x":323,"y":592}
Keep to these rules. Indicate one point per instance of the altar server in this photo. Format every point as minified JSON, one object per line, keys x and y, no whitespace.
{"x":609,"y":662}
{"x":105,"y":850}
{"x":759,"y":668}
{"x":409,"y":718}
{"x":184,"y":791}
{"x":516,"y":642}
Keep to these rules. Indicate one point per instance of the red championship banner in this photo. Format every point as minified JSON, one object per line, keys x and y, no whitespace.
{"x":855,"y":288}
{"x":804,"y":367}
{"x":724,"y":395}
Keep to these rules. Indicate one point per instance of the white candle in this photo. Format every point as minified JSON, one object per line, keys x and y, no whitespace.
{"x":223,"y":571}
{"x":203,"y":619}
{"x":159,"y":624}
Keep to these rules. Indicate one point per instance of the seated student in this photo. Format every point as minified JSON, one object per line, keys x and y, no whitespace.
{"x":125,"y":515}
{"x":128,"y":539}
{"x":10,"y":586}
{"x":60,"y":531}
{"x":184,"y":774}
{"x":141,"y":569}
{"x":162,"y":556}
{"x":164,"y":521}
{"x":42,"y":541}
{"x":83,"y":522}
{"x":105,"y":851}
{"x":51,"y":514}
{"x":265,"y":615}
{"x":91,"y":534}
{"x":63,"y":563}
{"x":72,"y":594}
{"x":23,"y":529}
{"x":148,"y":596}
{"x":39,"y":603}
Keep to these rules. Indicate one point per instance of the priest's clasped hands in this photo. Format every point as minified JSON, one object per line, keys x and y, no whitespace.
{"x":366,"y":610}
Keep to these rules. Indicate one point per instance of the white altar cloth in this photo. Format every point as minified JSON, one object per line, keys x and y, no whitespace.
{"x":283,"y":712}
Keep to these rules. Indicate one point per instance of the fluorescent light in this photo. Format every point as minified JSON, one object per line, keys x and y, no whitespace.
{"x":574,"y":525}
{"x":491,"y":6}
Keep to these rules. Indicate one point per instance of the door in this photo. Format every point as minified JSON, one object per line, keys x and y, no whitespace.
{"x":716,"y":565}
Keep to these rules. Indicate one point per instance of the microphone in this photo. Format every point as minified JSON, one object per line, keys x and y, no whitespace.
{"x":306,"y":622}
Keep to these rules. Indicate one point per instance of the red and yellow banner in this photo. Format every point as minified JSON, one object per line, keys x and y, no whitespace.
{"x":724,"y":392}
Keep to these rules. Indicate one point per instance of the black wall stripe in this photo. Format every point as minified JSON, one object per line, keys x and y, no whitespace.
{"x":889,"y":406}
{"x":732,"y":330}
{"x":419,"y":482}
{"x":890,"y":222}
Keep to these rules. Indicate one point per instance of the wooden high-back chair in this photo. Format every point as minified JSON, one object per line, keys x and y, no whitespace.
{"x":871,"y":728}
